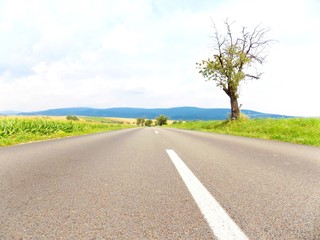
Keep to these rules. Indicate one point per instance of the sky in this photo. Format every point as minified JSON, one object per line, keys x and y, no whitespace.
{"x":143,"y":53}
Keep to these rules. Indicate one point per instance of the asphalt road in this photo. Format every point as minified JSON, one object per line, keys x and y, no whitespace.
{"x":124,"y":185}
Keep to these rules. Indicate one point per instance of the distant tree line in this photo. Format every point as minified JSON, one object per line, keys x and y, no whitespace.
{"x":160,"y":121}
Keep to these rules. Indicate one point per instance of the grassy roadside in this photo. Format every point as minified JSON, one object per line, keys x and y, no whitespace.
{"x":22,"y":130}
{"x":298,"y":130}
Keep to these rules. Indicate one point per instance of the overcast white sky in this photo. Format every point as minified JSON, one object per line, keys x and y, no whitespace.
{"x":142,"y":53}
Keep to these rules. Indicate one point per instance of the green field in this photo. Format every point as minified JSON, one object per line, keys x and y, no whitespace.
{"x":21,"y":130}
{"x":295,"y":130}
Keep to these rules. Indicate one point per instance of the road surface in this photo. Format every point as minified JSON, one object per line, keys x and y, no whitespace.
{"x":156,"y":183}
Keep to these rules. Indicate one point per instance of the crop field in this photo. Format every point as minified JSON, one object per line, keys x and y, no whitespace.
{"x":26,"y":129}
{"x":295,"y":130}
{"x":109,"y":120}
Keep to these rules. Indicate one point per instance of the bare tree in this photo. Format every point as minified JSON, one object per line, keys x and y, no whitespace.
{"x":234,"y":60}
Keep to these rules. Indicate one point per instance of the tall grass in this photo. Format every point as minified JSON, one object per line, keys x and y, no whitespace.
{"x":296,"y":130}
{"x":17,"y":130}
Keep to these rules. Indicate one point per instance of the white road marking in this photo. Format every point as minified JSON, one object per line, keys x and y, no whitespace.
{"x":222,"y":226}
{"x":156,"y":132}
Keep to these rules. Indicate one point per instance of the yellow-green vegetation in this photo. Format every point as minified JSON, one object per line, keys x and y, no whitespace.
{"x":295,"y":130}
{"x":21,"y":130}
{"x":109,"y":120}
{"x":99,"y":120}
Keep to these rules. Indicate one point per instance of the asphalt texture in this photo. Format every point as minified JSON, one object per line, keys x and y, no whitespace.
{"x":122,"y":185}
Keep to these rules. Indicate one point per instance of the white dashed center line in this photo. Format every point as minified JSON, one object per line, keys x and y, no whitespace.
{"x":222,"y":226}
{"x":156,"y":132}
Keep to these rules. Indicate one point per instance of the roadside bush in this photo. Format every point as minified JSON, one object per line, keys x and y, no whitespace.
{"x":148,"y":123}
{"x":140,"y":122}
{"x":162,"y":120}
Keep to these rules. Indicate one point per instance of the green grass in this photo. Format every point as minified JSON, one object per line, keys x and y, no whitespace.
{"x":295,"y":130}
{"x":21,"y":130}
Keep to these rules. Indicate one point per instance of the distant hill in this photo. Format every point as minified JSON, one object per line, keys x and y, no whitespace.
{"x":177,"y":113}
{"x":9,"y":113}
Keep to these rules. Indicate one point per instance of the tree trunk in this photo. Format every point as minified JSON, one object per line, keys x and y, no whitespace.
{"x":235,"y":110}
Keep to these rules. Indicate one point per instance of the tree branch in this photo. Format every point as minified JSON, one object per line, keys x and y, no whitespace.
{"x":253,"y":76}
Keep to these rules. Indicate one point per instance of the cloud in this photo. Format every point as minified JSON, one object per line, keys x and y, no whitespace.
{"x":142,"y":53}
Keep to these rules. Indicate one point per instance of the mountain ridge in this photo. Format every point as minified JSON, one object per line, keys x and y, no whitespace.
{"x":175,"y":113}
